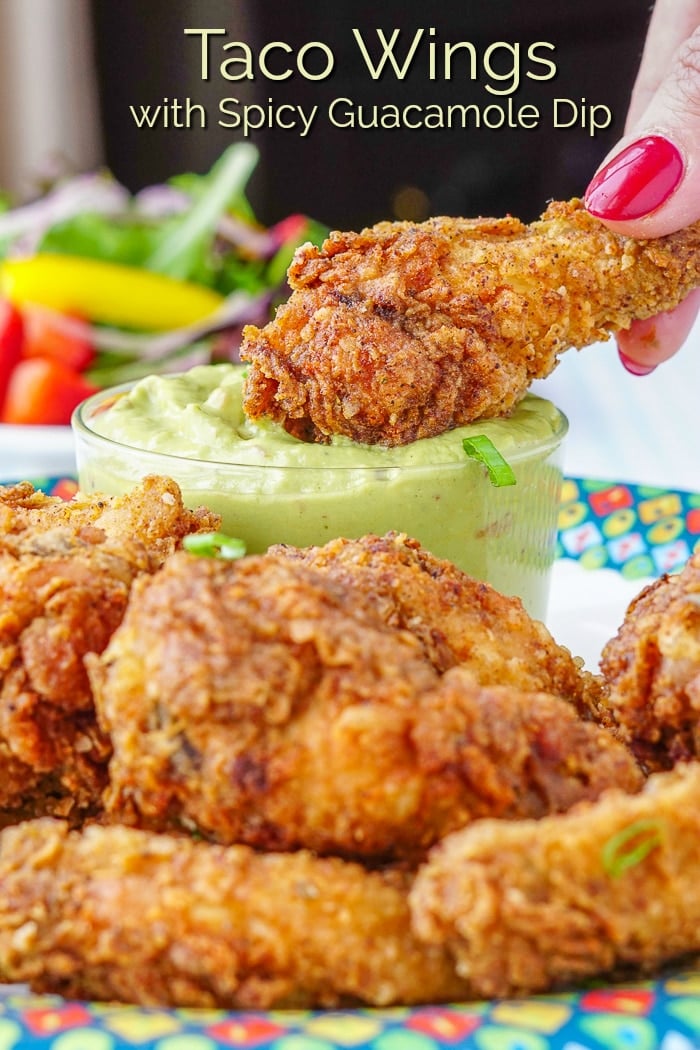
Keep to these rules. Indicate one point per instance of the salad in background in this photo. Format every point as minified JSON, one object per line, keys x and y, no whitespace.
{"x":99,"y":286}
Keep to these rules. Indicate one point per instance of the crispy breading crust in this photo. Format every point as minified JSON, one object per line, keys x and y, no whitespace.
{"x":114,"y":913}
{"x":531,"y":906}
{"x":652,"y":669}
{"x":266,"y":702}
{"x":403,"y":331}
{"x":66,"y":569}
{"x":151,"y":515}
{"x":456,"y":618}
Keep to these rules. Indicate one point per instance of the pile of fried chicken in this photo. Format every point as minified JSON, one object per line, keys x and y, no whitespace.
{"x":325,"y":776}
{"x":351,"y":773}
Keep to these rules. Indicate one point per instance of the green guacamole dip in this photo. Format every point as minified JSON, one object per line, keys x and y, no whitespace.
{"x":270,"y":487}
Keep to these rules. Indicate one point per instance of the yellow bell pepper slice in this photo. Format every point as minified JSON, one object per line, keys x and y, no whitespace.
{"x":105,"y":292}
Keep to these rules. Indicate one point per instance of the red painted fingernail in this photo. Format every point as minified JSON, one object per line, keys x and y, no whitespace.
{"x":634,"y":367}
{"x":637,"y":181}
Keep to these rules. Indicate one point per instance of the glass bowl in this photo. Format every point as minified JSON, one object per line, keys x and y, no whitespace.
{"x":272,"y":488}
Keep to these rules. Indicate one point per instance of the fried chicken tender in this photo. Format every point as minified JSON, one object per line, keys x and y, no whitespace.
{"x":652,"y":669}
{"x":66,"y":569}
{"x":405,"y":330}
{"x":457,"y":619}
{"x":115,"y":913}
{"x":530,"y":906}
{"x":265,"y":702}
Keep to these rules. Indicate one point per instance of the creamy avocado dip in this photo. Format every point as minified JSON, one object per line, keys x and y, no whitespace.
{"x":270,"y":487}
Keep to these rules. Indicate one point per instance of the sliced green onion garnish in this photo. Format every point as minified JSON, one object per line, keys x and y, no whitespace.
{"x":630,"y":846}
{"x":484,"y":451}
{"x":214,"y":545}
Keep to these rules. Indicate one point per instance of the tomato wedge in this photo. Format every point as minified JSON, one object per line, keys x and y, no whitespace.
{"x":43,"y":391}
{"x":11,"y":341}
{"x":45,"y":336}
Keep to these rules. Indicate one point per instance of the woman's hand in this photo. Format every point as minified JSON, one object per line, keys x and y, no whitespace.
{"x":649,"y":185}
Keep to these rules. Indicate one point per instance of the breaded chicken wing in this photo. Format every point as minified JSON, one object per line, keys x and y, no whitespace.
{"x":531,"y":906}
{"x":267,"y":703}
{"x":405,"y":330}
{"x":66,"y":569}
{"x":456,"y":618}
{"x":652,"y":669}
{"x":115,"y":913}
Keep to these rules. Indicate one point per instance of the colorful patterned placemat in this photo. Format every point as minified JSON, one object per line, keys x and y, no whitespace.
{"x":635,"y":529}
{"x":65,"y":487}
{"x":659,"y":1015}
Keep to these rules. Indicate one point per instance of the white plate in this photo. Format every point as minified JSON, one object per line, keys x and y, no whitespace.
{"x":586,"y":607}
{"x":35,"y":452}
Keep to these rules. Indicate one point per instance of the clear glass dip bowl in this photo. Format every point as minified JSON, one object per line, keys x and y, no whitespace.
{"x":271,"y":488}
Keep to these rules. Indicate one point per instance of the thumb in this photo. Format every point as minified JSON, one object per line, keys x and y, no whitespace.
{"x":649,"y":185}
